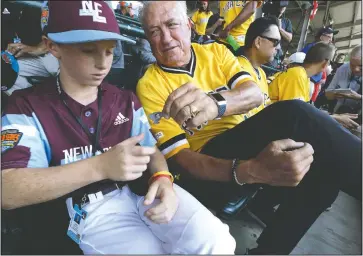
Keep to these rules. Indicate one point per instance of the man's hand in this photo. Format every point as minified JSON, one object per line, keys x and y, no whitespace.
{"x":219,"y":22}
{"x":161,"y":188}
{"x":19,"y":50}
{"x":281,"y":163}
{"x":190,"y":104}
{"x":346,"y":120}
{"x":125,"y":161}
{"x":279,"y":23}
{"x":348,"y":95}
{"x":224,"y":33}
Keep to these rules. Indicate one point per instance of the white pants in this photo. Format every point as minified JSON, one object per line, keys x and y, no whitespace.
{"x":44,"y":66}
{"x":117,"y":225}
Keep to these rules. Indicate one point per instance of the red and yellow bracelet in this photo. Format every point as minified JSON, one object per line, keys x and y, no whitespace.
{"x":160,"y":174}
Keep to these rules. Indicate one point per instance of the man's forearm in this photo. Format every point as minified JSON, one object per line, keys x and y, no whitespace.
{"x":242,"y":99}
{"x":27,"y":186}
{"x":201,"y":166}
{"x":211,"y":30}
{"x":244,"y":15}
{"x":40,"y":49}
{"x":204,"y":167}
{"x":286,"y":35}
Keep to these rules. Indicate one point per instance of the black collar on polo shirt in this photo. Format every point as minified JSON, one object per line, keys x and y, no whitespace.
{"x":188,"y":69}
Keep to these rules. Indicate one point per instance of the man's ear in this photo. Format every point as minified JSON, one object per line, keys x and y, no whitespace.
{"x":325,"y":64}
{"x":257,"y":42}
{"x":52,"y":47}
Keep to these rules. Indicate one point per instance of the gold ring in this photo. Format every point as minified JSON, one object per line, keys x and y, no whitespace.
{"x":193,"y":111}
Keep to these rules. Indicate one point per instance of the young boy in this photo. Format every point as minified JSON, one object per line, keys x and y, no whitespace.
{"x":53,"y":136}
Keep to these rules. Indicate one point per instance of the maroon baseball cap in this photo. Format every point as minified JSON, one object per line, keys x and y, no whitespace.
{"x":70,"y":22}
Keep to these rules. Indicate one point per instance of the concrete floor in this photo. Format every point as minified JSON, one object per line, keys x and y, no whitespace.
{"x":338,"y":231}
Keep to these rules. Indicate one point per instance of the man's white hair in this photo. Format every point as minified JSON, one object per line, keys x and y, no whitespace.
{"x":181,"y":6}
{"x":356,"y":52}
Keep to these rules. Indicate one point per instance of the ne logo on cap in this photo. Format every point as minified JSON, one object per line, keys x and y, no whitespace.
{"x":89,"y":10}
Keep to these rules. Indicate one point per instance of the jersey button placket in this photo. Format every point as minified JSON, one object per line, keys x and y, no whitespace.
{"x":88,"y":113}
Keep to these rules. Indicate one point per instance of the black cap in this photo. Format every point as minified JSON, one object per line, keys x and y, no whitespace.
{"x":327,"y":30}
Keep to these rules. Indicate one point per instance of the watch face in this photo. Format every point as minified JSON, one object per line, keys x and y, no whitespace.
{"x":218,"y":97}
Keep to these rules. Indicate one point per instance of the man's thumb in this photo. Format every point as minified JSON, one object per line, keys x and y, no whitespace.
{"x":151,"y":194}
{"x":289,"y":144}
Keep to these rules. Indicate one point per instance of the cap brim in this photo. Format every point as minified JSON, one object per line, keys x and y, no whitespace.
{"x":84,"y":36}
{"x":335,"y":32}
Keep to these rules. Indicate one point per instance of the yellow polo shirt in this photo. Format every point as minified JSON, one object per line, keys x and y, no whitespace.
{"x":212,"y":68}
{"x":259,"y":77}
{"x":200,"y":20}
{"x":230,"y":10}
{"x":293,"y":83}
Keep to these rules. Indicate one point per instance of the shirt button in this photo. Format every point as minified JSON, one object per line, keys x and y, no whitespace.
{"x":88,"y":113}
{"x":92,"y":130}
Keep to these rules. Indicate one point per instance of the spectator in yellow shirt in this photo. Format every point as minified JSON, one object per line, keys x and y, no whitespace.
{"x":295,"y":60}
{"x":294,"y":83}
{"x":238,"y":16}
{"x":201,"y":17}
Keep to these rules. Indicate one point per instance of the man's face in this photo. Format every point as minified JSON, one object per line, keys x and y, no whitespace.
{"x":356,"y":66}
{"x":267,"y":47}
{"x":86,"y":63}
{"x":204,"y":5}
{"x":168,"y":32}
{"x":328,"y":38}
{"x":340,"y":59}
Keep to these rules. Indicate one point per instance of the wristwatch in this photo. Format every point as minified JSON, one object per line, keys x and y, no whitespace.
{"x":221,"y":104}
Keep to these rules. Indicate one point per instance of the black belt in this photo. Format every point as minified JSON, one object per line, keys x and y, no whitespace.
{"x":82,"y":198}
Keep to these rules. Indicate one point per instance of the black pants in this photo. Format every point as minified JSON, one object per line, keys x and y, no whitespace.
{"x":336,"y":166}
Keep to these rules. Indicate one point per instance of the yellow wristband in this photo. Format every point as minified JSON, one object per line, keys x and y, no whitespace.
{"x":161,"y":173}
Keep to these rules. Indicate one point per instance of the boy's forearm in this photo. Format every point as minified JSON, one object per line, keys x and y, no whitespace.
{"x":157,"y":163}
{"x":28,"y":186}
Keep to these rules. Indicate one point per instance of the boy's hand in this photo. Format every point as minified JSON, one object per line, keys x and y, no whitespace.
{"x":161,"y":188}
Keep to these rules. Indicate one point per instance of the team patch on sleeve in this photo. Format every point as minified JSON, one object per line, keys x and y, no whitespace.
{"x":9,"y":139}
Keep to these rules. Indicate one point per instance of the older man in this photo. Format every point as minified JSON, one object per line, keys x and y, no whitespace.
{"x":348,"y":76}
{"x":202,"y":91}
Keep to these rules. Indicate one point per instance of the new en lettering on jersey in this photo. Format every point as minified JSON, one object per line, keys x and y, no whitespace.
{"x":79,"y":153}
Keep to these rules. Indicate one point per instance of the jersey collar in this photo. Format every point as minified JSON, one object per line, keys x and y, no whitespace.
{"x":189,"y":69}
{"x":255,"y":69}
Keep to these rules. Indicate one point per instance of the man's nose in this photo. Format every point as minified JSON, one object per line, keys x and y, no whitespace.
{"x":166,"y":36}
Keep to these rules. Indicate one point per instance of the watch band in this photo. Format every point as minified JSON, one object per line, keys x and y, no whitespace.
{"x":221,"y":111}
{"x":221,"y":107}
{"x":235,"y":163}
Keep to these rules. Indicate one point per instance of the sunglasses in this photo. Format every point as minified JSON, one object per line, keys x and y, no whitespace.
{"x":275,"y":42}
